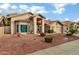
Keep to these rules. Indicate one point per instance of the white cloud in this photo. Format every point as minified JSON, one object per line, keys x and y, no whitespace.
{"x":11,"y":8}
{"x":14,"y":7}
{"x":8,"y":8}
{"x":59,"y":7}
{"x":66,"y":19}
{"x":76,"y":20}
{"x":47,"y":19}
{"x":42,"y":11}
{"x":59,"y":11}
{"x":38,"y":9}
{"x":33,"y":9}
{"x":5,"y":6}
{"x":24,"y":7}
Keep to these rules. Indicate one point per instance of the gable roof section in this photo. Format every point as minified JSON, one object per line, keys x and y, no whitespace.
{"x":67,"y":23}
{"x":39,"y":15}
{"x":15,"y":15}
{"x":10,"y":16}
{"x":48,"y":22}
{"x":57,"y":22}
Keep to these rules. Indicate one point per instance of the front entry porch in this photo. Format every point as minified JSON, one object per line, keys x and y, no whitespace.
{"x":36,"y":25}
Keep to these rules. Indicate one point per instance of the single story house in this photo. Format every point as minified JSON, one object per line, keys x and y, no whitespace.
{"x":76,"y":25}
{"x":56,"y":26}
{"x":66,"y":26}
{"x":26,"y":23}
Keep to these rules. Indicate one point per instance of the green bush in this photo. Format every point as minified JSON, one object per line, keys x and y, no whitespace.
{"x":72,"y":31}
{"x":42,"y":34}
{"x":48,"y":39}
{"x":77,"y":32}
{"x":50,"y":31}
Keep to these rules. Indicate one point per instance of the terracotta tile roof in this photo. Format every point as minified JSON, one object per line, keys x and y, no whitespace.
{"x":47,"y":22}
{"x":57,"y":22}
{"x":67,"y":23}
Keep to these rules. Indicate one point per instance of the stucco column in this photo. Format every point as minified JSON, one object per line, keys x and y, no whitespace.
{"x":42,"y":25}
{"x":12,"y":27}
{"x":35,"y":25}
{"x":19,"y":26}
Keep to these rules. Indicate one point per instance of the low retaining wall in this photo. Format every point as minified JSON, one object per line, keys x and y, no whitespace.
{"x":7,"y":29}
{"x":1,"y":30}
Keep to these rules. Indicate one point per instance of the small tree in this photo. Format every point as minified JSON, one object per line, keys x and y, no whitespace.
{"x":72,"y":31}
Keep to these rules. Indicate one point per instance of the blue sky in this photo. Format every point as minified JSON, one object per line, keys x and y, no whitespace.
{"x":52,"y":11}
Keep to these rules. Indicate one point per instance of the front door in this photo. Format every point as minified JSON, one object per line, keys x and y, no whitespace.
{"x":39,"y":29}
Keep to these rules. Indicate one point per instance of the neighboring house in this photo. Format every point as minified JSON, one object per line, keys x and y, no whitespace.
{"x":47,"y":25}
{"x":66,"y":26}
{"x":57,"y":26}
{"x":1,"y":24}
{"x":26,"y":23}
{"x":76,"y":25}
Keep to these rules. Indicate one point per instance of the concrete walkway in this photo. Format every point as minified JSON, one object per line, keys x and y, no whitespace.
{"x":69,"y":48}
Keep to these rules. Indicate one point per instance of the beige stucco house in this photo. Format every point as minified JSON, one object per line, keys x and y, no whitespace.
{"x":26,"y":23}
{"x":76,"y":25}
{"x":57,"y":26}
{"x":47,"y":25}
{"x":32,"y":23}
{"x":66,"y":26}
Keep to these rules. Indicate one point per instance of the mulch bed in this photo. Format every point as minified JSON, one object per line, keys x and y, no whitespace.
{"x":14,"y":45}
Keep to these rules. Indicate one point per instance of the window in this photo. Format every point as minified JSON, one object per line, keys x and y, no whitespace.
{"x":23,"y":28}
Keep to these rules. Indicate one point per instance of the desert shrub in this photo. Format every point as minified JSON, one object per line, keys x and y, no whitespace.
{"x":50,"y":31}
{"x":42,"y":34}
{"x":72,"y":31}
{"x":48,"y":39}
{"x":77,"y":32}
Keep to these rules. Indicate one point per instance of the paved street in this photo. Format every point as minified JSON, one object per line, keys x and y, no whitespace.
{"x":69,"y":48}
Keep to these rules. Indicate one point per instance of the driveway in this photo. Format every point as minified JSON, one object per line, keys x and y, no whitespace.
{"x":69,"y":48}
